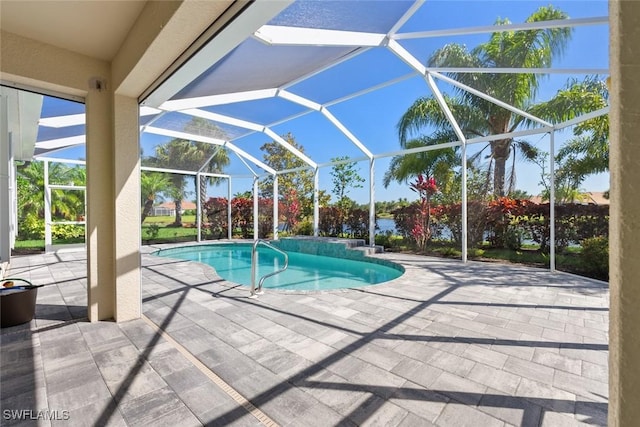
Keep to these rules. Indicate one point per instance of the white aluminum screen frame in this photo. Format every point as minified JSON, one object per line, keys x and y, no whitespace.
{"x":159,"y":103}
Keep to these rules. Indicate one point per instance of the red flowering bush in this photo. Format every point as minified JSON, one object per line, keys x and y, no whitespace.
{"x":292,"y":208}
{"x":421,"y":230}
{"x":503,"y":221}
{"x":241,"y":216}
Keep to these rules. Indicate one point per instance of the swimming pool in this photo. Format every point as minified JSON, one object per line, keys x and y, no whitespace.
{"x":232,"y":262}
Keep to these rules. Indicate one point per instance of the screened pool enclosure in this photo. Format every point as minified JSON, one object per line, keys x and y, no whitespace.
{"x":339,"y":75}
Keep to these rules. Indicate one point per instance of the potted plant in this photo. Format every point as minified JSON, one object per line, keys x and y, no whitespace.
{"x":18,"y":301}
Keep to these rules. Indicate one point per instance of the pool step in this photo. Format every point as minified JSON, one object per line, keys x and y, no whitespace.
{"x":360,"y":245}
{"x":353,"y":244}
{"x":368,"y":250}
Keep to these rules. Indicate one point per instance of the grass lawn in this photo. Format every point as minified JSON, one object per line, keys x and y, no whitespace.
{"x":33,"y":246}
{"x":156,"y":229}
{"x":186,"y":219}
{"x":30,"y":244}
{"x":170,"y":234}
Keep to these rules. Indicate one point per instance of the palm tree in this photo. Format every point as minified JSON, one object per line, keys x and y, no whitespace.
{"x":479,"y":117}
{"x":435,"y":163}
{"x":299,"y":183}
{"x":213,"y":159}
{"x":64,"y":203}
{"x":188,"y":155}
{"x":30,"y":178}
{"x":588,"y":152}
{"x":152,"y":185}
{"x":174,"y":154}
{"x":218,"y":159}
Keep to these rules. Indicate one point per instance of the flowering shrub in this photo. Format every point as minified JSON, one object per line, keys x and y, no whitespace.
{"x":505,"y":222}
{"x":241,"y":216}
{"x":357,"y":222}
{"x":330,"y":223}
{"x":421,"y":230}
{"x":292,"y":208}
{"x":503,"y":218}
{"x":404,"y":217}
{"x":31,"y":227}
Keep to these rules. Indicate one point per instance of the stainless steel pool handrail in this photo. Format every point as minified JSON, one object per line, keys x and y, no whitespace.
{"x":254,"y":253}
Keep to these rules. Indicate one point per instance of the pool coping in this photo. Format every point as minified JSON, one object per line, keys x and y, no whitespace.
{"x":211,"y":273}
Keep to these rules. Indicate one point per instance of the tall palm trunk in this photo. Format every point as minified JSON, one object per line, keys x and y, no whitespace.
{"x":202,"y":195}
{"x":177,"y":193}
{"x":178,"y":221}
{"x":500,"y":152}
{"x":148,"y":205}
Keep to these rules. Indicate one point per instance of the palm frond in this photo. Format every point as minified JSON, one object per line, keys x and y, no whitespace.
{"x":576,"y":98}
{"x":425,"y":112}
{"x":585,"y":156}
{"x":528,"y":151}
{"x":474,"y":158}
{"x":404,"y":167}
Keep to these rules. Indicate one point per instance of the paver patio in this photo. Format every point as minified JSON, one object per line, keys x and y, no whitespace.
{"x":447,"y":344}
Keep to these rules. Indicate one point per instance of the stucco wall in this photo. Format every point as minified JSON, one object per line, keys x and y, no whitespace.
{"x":624,"y":344}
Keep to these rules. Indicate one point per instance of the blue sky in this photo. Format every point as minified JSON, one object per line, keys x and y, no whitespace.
{"x":372,"y":118}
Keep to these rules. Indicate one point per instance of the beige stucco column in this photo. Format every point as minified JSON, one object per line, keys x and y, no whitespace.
{"x":100,"y":204}
{"x":126,"y":148}
{"x":624,"y":344}
{"x":113,"y":206}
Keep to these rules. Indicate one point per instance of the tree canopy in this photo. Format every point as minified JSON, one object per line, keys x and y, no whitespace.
{"x":65,"y":204}
{"x":477,"y":116}
{"x":587,"y":152}
{"x":344,"y":177}
{"x":152,"y":185}
{"x":188,"y":155}
{"x":299,"y":182}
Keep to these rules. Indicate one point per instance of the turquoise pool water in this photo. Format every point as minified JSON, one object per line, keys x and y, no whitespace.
{"x":305,"y":272}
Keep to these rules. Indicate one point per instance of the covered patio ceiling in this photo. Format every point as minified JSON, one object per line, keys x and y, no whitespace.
{"x":279,"y":73}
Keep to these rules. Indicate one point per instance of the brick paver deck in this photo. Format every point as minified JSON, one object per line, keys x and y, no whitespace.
{"x":446,"y":344}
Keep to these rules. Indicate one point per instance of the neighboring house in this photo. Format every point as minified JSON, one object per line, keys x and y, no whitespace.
{"x":588,"y":198}
{"x":537,"y":200}
{"x":169,"y":208}
{"x":595,"y":198}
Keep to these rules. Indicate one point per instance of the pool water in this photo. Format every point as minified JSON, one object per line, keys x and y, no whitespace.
{"x":232,"y":262}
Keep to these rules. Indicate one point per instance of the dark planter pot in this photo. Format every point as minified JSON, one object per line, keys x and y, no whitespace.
{"x":18,"y":303}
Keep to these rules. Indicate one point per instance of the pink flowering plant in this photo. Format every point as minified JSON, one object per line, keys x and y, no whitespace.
{"x":292,"y":208}
{"x":421,"y":231}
